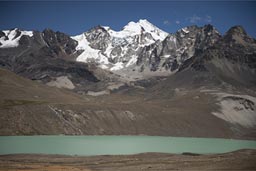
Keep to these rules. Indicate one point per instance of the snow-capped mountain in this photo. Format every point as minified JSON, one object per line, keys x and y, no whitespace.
{"x":11,"y":38}
{"x":133,"y":29}
{"x":141,"y":47}
{"x":116,"y":50}
{"x":140,"y":50}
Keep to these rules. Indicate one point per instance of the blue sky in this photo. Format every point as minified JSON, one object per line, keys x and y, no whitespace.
{"x":76,"y":17}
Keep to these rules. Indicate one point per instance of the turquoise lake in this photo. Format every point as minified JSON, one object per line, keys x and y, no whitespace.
{"x":111,"y":145}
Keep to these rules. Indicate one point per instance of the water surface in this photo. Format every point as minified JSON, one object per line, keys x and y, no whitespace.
{"x":111,"y":145}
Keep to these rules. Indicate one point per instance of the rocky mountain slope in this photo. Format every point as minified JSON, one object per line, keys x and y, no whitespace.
{"x":232,"y":58}
{"x":140,"y":80}
{"x":29,"y":108}
{"x":49,"y":57}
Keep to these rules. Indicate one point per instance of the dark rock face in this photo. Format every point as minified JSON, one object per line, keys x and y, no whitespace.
{"x":59,"y":42}
{"x":98,"y":38}
{"x":18,"y":33}
{"x":2,"y":34}
{"x":24,"y":40}
{"x":177,"y":48}
{"x":236,"y":30}
{"x":43,"y":57}
{"x":231,"y":58}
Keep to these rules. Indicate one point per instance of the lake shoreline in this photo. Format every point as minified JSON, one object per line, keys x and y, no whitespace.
{"x":237,"y":160}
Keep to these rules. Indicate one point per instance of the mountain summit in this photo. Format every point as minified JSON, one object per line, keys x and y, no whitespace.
{"x":116,"y":50}
{"x":137,"y":28}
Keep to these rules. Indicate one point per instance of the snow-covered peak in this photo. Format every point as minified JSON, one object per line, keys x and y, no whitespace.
{"x":136,"y":28}
{"x":11,"y":37}
{"x":82,"y":41}
{"x":115,"y":50}
{"x":144,"y":25}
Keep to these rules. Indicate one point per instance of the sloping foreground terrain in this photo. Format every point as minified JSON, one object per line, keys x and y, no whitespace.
{"x":31,"y":108}
{"x":238,"y":160}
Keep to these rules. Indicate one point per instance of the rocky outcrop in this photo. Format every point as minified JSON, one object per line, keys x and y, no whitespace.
{"x":98,"y":38}
{"x":45,"y":57}
{"x":59,"y":42}
{"x":178,"y":48}
{"x":232,"y":58}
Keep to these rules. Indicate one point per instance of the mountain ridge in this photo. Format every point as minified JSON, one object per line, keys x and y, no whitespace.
{"x":130,"y":56}
{"x":193,"y":82}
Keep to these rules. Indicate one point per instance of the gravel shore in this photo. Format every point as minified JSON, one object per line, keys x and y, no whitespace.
{"x":238,"y":160}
